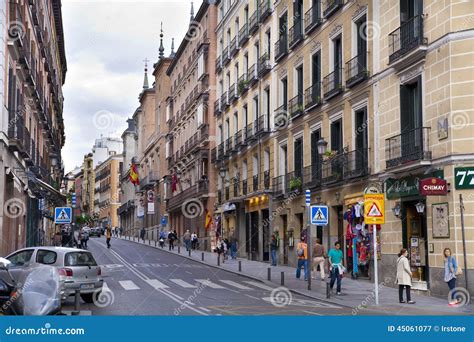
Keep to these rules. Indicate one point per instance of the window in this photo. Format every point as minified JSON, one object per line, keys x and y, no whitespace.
{"x":283,"y":26}
{"x":255,"y":165}
{"x":201,"y":65}
{"x":337,"y":53}
{"x":200,"y":114}
{"x":46,"y":257}
{"x":236,"y":122}
{"x":79,"y":259}
{"x":236,"y":73}
{"x":268,"y":41}
{"x":246,"y":64}
{"x":255,"y":110}
{"x":298,"y":16}
{"x":299,"y":80}
{"x":21,"y":258}
{"x":283,"y":167}
{"x":298,"y":157}
{"x":245,"y":115}
{"x":246,"y":14}
{"x":316,"y":68}
{"x":315,"y":157}
{"x":411,"y":118}
{"x":284,"y":93}
{"x":336,"y":136}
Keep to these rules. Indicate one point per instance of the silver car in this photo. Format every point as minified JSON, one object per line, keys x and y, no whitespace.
{"x":77,"y":268}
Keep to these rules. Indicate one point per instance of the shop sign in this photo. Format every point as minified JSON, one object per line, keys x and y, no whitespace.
{"x":433,"y":186}
{"x":406,"y":186}
{"x":464,"y":177}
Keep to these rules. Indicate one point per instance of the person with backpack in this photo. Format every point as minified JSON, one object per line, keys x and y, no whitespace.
{"x":171,"y":239}
{"x":194,"y":240}
{"x":451,"y":270}
{"x":273,"y":249}
{"x":302,"y":254}
{"x":336,"y":268}
{"x":404,"y":276}
{"x":319,"y":257}
{"x":162,"y":239}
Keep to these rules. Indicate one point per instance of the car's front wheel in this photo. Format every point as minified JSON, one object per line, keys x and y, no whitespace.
{"x":87,"y":297}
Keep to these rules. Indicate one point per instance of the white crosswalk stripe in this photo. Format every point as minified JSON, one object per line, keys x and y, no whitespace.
{"x":259,"y":285}
{"x":156,"y":284}
{"x":184,"y":284}
{"x":209,"y":283}
{"x":237,"y":285}
{"x":128,"y":285}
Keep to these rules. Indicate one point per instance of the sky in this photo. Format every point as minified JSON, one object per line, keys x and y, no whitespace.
{"x":106,"y":44}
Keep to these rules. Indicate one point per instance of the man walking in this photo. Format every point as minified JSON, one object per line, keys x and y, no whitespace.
{"x":273,"y":249}
{"x":108,"y":236}
{"x":319,"y":255}
{"x":187,"y":239}
{"x":302,"y":254}
{"x":171,"y":240}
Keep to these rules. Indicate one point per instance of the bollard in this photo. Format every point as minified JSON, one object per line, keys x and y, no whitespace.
{"x":149,"y":242}
{"x":202,"y":256}
{"x":189,"y":252}
{"x":269,"y":274}
{"x":240,"y":265}
{"x":179,"y":250}
{"x":328,"y":290}
{"x":218,"y":260}
{"x":77,"y":303}
{"x":282,"y":279}
{"x":155,"y":243}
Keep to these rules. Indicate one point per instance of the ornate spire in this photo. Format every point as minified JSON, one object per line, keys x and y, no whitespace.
{"x":161,"y":49}
{"x":172,"y":47}
{"x":192,"y":11}
{"x":145,"y":78}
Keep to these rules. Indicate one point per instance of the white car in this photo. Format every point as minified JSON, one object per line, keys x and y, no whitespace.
{"x":77,"y":268}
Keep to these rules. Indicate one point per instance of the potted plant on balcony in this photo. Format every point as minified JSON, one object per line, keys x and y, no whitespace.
{"x":329,"y":154}
{"x":243,"y":85}
{"x":295,"y":183}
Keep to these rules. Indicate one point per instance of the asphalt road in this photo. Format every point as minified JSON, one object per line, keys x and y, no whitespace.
{"x":143,"y":280}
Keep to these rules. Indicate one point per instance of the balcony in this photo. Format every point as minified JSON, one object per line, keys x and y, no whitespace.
{"x":263,"y":125}
{"x":279,"y":186}
{"x":250,"y":134}
{"x":224,"y":101}
{"x":296,"y":107}
{"x":234,"y":47}
{"x":264,"y":65}
{"x":229,"y":145}
{"x":332,"y":6}
{"x":214,"y":155}
{"x":313,"y":96}
{"x":244,"y":187}
{"x":255,"y":185}
{"x":356,"y":163}
{"x":312,"y":176}
{"x":243,"y":84}
{"x":253,"y":75}
{"x":227,"y":193}
{"x":219,"y":64}
{"x":220,"y":151}
{"x":177,"y":200}
{"x":281,"y":48}
{"x":243,"y":34}
{"x":333,"y":169}
{"x":203,"y":187}
{"x":407,"y":147}
{"x":356,"y":70}
{"x":217,"y":107}
{"x":219,"y":196}
{"x":295,"y":34}
{"x":407,"y":39}
{"x":237,"y":140}
{"x":281,"y":117}
{"x":235,"y":187}
{"x":226,"y":56}
{"x":253,"y":23}
{"x":312,"y":18}
{"x":332,"y":84}
{"x":16,"y":130}
{"x":233,"y":93}
{"x":266,"y":180}
{"x":265,"y":10}
{"x":294,"y":181}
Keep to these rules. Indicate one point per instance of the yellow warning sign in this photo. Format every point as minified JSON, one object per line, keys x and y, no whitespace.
{"x":374,"y":209}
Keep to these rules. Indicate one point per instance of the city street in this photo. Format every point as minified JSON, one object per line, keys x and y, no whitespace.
{"x":143,"y":280}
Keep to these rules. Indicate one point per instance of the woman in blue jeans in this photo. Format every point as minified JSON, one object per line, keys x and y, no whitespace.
{"x":450,"y":270}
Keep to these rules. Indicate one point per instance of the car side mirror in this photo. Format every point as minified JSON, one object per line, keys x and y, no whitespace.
{"x":4,"y":263}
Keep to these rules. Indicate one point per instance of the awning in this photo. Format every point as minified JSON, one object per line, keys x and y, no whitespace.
{"x":229,"y":207}
{"x":46,"y":190}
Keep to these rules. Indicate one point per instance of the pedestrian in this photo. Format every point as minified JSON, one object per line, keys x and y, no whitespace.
{"x":220,"y":248}
{"x":226,"y":248}
{"x":171,"y":240}
{"x":404,"y":276}
{"x":84,"y":238}
{"x":233,"y":249}
{"x":108,"y":235}
{"x":194,"y":240}
{"x":451,"y":270}
{"x":319,"y":256}
{"x":273,"y":249}
{"x":302,"y":254}
{"x":162,"y":239}
{"x":187,"y":240}
{"x":336,"y":268}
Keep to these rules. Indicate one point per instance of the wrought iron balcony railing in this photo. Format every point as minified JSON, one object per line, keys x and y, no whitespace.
{"x":405,"y":38}
{"x":243,"y":34}
{"x":253,"y":74}
{"x":234,"y":46}
{"x":312,"y":17}
{"x":264,"y":65}
{"x":265,"y":9}
{"x":255,"y":184}
{"x":243,"y":84}
{"x":295,"y":34}
{"x":332,"y":84}
{"x":356,"y":70}
{"x":296,"y":106}
{"x":411,"y":145}
{"x":313,"y":96}
{"x":332,"y":6}
{"x":281,"y":48}
{"x":253,"y":22}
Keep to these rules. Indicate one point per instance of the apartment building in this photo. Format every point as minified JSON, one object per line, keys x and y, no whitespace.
{"x":107,"y":180}
{"x":88,"y":185}
{"x":33,"y":70}
{"x":244,"y":153}
{"x":191,"y":128}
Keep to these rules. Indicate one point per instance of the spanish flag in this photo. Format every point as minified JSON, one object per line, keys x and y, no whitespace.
{"x":134,"y":174}
{"x":208,"y":219}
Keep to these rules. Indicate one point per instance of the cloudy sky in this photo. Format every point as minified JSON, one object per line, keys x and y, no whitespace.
{"x":106,"y":43}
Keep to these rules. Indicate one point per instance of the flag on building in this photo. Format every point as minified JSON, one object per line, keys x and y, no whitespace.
{"x":134,"y":174}
{"x":174,"y":182}
{"x":208,"y":219}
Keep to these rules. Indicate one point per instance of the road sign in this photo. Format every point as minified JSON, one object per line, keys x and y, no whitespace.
{"x":308,"y":198}
{"x":62,"y":215}
{"x":319,"y":215}
{"x":374,"y":208}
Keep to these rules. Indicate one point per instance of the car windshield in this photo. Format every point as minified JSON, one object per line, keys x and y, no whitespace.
{"x":79,"y":259}
{"x":20,"y":258}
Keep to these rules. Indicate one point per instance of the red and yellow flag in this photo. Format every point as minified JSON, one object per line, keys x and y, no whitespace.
{"x":208,"y":219}
{"x":134,"y":174}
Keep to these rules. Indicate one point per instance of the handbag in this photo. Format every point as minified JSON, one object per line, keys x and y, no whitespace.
{"x":458,"y":272}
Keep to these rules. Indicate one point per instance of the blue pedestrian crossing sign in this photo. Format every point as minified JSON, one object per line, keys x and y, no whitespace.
{"x":319,"y":215}
{"x":62,"y":215}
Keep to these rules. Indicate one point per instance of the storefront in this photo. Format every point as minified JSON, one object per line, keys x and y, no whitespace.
{"x":257,"y":241}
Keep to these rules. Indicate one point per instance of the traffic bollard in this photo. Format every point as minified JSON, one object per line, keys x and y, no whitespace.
{"x":179,"y":250}
{"x":269,"y":274}
{"x":202,"y":256}
{"x":328,"y":290}
{"x":189,"y":253}
{"x":155,"y":243}
{"x":240,"y":266}
{"x":149,"y":242}
{"x":218,"y":260}
{"x":77,"y":303}
{"x":282,"y":279}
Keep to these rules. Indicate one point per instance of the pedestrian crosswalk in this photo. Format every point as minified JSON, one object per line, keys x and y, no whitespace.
{"x":221,"y":284}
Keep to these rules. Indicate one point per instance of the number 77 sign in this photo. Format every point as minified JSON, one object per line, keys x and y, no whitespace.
{"x":464,"y":177}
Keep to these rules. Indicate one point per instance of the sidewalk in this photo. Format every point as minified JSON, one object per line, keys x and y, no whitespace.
{"x":358,"y":294}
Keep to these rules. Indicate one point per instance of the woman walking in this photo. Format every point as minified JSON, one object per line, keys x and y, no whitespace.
{"x":404,"y":276}
{"x":451,"y":270}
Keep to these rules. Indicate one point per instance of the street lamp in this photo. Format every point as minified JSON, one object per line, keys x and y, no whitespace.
{"x":222,"y":173}
{"x":396,"y":210}
{"x":420,"y":207}
{"x":322,"y":146}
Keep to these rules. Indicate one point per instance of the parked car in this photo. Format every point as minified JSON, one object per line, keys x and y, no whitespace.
{"x":77,"y":268}
{"x":96,"y":231}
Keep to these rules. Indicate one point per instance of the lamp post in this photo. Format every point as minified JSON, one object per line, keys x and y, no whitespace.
{"x":396,"y":210}
{"x":322,"y":148}
{"x":222,"y":173}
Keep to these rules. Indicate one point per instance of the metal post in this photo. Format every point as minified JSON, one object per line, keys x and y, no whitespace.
{"x":155,"y":243}
{"x":461,"y":205}
{"x":189,"y":252}
{"x":308,"y":236}
{"x":328,"y":290}
{"x":202,"y":256}
{"x":77,"y":303}
{"x":269,"y":274}
{"x":179,"y":250}
{"x":240,"y":266}
{"x":282,"y":278}
{"x":376,"y":274}
{"x":218,"y":259}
